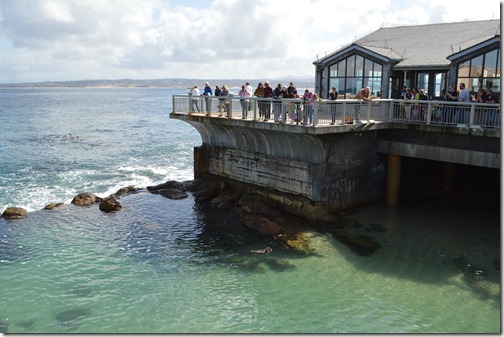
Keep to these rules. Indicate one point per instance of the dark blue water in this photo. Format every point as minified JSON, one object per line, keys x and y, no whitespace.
{"x":174,"y":266}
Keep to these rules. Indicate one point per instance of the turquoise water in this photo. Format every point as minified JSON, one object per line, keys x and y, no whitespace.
{"x":168,"y":266}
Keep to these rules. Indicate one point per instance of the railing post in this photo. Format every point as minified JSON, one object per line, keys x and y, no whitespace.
{"x":343,"y":120}
{"x":429,"y":113}
{"x":472,"y":115}
{"x":368,"y":111}
{"x":391,"y":111}
{"x":254,"y":101}
{"x":190,"y":104}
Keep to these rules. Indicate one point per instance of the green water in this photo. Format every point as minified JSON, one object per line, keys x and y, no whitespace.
{"x":165,"y":266}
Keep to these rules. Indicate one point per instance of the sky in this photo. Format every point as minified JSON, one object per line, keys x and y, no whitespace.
{"x":69,"y":40}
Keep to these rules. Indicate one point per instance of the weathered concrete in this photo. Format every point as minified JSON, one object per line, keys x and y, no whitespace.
{"x":341,"y":167}
{"x":341,"y":170}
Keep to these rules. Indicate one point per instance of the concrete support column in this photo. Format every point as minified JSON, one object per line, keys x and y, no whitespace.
{"x":393,"y":179}
{"x":200,"y":161}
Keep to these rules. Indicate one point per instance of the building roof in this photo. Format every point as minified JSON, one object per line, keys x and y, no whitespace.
{"x":427,"y":45}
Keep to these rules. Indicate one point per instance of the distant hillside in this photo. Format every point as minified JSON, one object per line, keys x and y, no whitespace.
{"x":181,"y":83}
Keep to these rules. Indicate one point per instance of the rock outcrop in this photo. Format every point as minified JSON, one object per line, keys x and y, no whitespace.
{"x":85,"y":199}
{"x":14,"y":213}
{"x":109,"y":205}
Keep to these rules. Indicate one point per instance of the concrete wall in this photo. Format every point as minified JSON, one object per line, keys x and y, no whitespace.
{"x":341,"y":170}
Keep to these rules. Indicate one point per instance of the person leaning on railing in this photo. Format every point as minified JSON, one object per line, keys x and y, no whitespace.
{"x":491,"y":97}
{"x":259,"y":92}
{"x":266,"y":105}
{"x":364,"y":95}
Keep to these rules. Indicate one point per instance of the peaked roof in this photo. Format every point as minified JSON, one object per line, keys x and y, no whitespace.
{"x":427,"y":45}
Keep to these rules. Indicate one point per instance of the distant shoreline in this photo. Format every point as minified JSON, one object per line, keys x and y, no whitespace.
{"x":172,"y":83}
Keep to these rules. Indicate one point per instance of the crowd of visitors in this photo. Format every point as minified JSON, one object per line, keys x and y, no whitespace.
{"x":301,"y":110}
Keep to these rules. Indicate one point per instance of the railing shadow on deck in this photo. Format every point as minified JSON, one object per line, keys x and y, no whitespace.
{"x":341,"y":111}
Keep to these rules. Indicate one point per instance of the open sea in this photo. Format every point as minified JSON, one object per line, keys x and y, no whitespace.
{"x":182,"y":266}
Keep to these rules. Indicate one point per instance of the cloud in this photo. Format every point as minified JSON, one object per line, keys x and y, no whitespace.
{"x":72,"y":40}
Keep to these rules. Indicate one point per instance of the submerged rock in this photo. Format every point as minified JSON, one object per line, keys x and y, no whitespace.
{"x":362,"y":245}
{"x":4,"y":327}
{"x":110,"y":204}
{"x":71,"y":319}
{"x":14,"y":213}
{"x":171,"y":193}
{"x":297,"y":241}
{"x":85,"y":199}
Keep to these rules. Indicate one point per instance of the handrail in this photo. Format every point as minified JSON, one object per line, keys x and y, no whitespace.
{"x":341,"y":111}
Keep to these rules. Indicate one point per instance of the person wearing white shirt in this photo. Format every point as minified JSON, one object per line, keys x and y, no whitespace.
{"x":244,"y":94}
{"x":195,"y":97}
{"x":463,"y":96}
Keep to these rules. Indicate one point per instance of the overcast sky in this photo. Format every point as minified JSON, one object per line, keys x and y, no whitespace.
{"x":55,"y":40}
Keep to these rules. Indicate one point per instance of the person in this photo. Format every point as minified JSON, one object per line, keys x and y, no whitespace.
{"x":451,"y":96}
{"x":404,"y":91}
{"x":244,"y":95}
{"x":463,"y":96}
{"x":195,"y":97}
{"x":277,"y":103}
{"x":227,"y":102}
{"x":308,"y":106}
{"x":259,"y":92}
{"x":364,"y":95}
{"x":333,"y":95}
{"x":251,"y":90}
{"x":266,"y":106}
{"x":207,"y":92}
{"x":490,"y":97}
{"x":266,"y":250}
{"x":422,"y":109}
{"x":291,"y":90}
{"x":217,"y":92}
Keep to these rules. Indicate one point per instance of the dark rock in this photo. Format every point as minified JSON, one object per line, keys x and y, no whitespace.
{"x":171,"y":193}
{"x":374,"y":227}
{"x":85,"y":199}
{"x":53,"y":205}
{"x":258,"y":204}
{"x":172,"y":184}
{"x":110,"y":204}
{"x":125,"y":190}
{"x":210,"y":189}
{"x":224,"y":201}
{"x":14,"y":213}
{"x":263,"y":224}
{"x":360,"y":244}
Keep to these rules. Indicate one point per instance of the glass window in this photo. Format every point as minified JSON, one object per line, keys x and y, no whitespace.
{"x":377,"y":70}
{"x":490,"y":64}
{"x":351,"y":66}
{"x":481,"y":71}
{"x":359,"y":65}
{"x":423,"y":81}
{"x":463,"y":69}
{"x":341,"y":68}
{"x":360,"y":71}
{"x":333,"y":71}
{"x":477,"y":66}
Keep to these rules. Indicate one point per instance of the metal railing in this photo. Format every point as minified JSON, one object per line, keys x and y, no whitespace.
{"x":341,"y":111}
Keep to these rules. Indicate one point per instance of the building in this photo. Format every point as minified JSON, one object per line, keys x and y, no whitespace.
{"x":432,"y":57}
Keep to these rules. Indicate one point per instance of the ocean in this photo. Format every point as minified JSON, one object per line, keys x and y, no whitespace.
{"x":183,"y":266}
